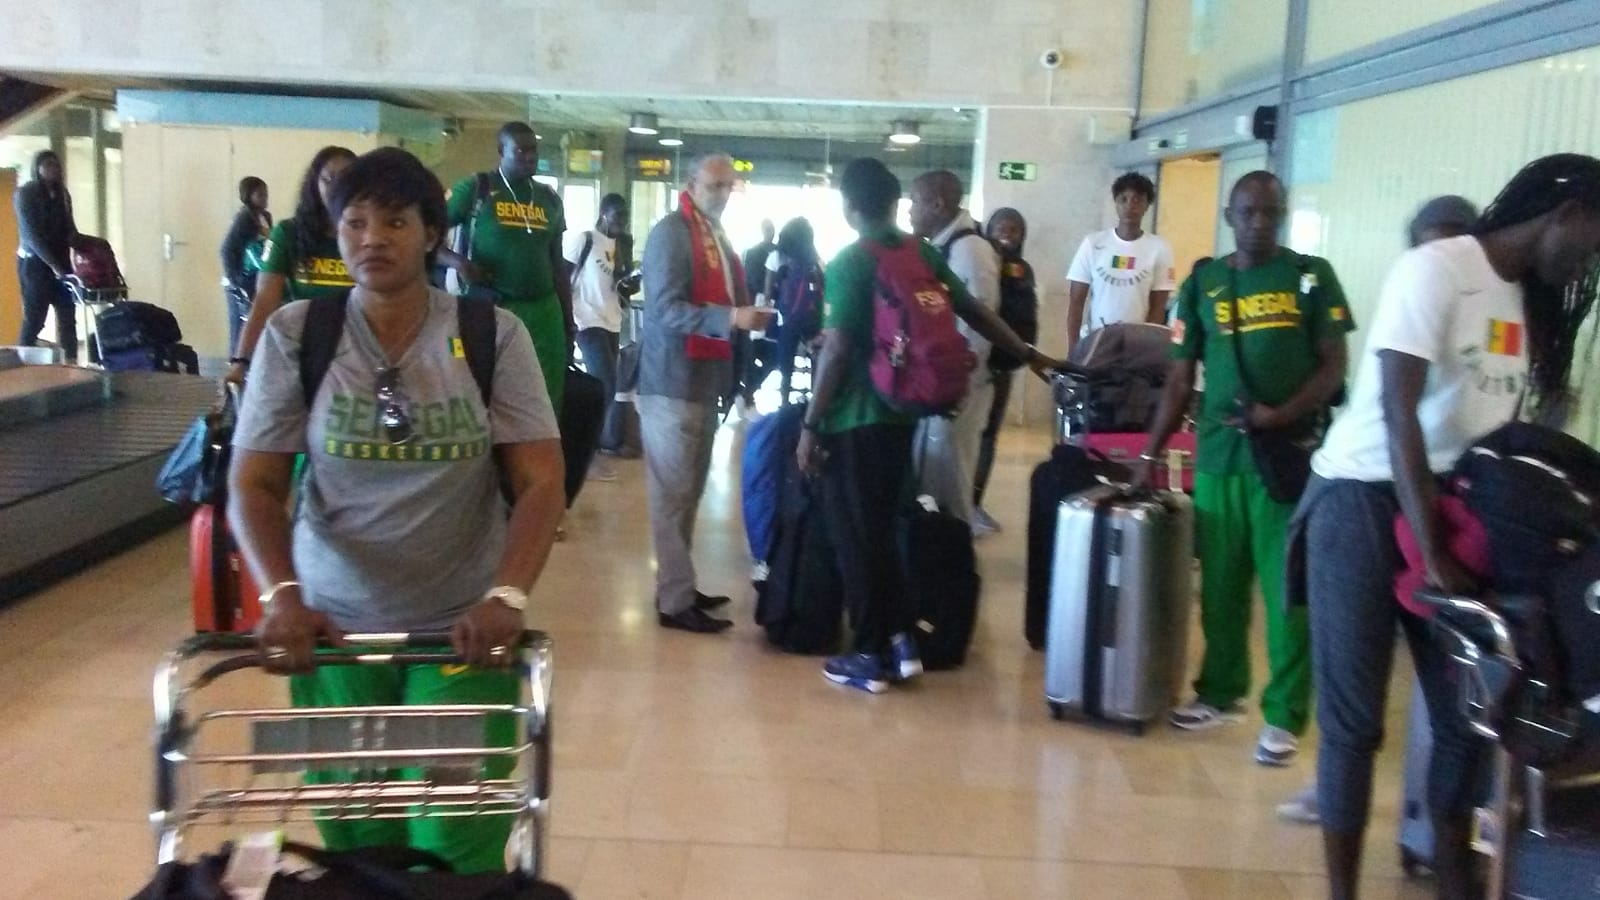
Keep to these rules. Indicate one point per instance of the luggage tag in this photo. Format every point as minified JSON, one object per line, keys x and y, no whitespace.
{"x":252,"y":864}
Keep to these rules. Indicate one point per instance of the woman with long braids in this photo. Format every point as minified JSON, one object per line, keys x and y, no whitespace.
{"x":301,"y":258}
{"x":1469,"y":332}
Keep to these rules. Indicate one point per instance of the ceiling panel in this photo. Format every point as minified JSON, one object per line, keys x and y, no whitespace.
{"x":749,"y":118}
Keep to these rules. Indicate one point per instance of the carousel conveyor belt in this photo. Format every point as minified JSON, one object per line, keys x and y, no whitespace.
{"x":78,"y":487}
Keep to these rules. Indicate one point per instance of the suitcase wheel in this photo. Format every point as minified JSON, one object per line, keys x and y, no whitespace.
{"x":1136,"y":728}
{"x":1057,"y":711}
{"x":1037,"y":645}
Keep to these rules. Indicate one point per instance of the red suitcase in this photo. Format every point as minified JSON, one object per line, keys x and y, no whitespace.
{"x":225,"y":598}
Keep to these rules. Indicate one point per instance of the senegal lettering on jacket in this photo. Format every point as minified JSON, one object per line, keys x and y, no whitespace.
{"x":515,"y":214}
{"x":323,"y":271}
{"x":1278,"y":309}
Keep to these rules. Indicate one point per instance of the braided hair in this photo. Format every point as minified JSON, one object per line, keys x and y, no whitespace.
{"x":1555,"y":312}
{"x":311,"y":219}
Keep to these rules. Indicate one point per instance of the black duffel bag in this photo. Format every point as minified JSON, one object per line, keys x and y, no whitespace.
{"x":370,"y":873}
{"x":132,"y":324}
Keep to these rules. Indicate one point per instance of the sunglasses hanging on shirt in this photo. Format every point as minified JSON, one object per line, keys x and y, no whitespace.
{"x":393,"y":408}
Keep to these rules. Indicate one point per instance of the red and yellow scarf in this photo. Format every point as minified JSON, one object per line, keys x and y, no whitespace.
{"x":708,"y":282}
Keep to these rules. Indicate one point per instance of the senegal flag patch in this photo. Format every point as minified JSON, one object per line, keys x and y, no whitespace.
{"x":1337,"y":314}
{"x":1505,"y":338}
{"x":458,"y":349}
{"x":1123,"y":262}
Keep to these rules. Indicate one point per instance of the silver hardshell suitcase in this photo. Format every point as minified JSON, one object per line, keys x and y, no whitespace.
{"x":1120,"y":594}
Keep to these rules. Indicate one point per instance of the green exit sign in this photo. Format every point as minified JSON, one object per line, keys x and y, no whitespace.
{"x":1018,"y":171}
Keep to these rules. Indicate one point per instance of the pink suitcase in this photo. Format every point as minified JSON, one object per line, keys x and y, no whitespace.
{"x":1125,"y":447}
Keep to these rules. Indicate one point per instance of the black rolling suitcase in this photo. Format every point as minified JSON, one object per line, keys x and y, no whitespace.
{"x":941,"y":575}
{"x":583,"y":412}
{"x":1069,"y":469}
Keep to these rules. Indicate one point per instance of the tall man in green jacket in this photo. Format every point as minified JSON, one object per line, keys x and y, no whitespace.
{"x":513,"y":246}
{"x":1282,"y":316}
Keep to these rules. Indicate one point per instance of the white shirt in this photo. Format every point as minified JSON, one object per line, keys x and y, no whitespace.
{"x":1444,"y":303}
{"x":973,"y":260}
{"x":1121,"y":275}
{"x":595,"y":303}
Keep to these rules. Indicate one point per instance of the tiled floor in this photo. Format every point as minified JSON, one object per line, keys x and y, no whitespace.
{"x":704,"y":768}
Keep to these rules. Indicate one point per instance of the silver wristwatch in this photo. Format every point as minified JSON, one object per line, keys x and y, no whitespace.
{"x":512,"y":596}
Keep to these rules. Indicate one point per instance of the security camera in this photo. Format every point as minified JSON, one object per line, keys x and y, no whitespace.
{"x":1051,"y":59}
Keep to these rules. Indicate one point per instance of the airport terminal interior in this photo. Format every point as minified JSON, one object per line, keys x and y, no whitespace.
{"x":688,"y":766}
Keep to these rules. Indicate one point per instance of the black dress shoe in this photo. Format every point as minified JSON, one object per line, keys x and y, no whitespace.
{"x":694,"y":620}
{"x":709,"y":602}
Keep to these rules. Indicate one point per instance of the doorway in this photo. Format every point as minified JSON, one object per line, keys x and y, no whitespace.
{"x":1186,"y":208}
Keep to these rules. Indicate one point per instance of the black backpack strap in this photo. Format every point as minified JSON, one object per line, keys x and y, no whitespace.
{"x":475,"y":320}
{"x":319,"y":341}
{"x":583,"y":256}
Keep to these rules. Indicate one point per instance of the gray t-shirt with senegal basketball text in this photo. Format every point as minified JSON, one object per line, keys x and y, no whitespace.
{"x":395,"y":537}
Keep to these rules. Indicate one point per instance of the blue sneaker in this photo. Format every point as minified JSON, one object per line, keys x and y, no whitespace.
{"x":862,"y":671}
{"x":905,"y":663}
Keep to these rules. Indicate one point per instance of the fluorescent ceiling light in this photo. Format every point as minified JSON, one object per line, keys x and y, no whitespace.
{"x":905,"y":132}
{"x":644,"y":123}
{"x":671,"y":137}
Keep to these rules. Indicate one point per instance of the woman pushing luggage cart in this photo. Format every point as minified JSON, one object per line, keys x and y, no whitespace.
{"x":414,"y":445}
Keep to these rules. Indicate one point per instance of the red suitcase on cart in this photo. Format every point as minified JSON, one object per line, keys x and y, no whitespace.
{"x":1124,"y":447}
{"x":225,"y":597}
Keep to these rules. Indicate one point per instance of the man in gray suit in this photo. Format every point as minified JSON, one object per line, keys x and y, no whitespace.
{"x":695,"y":299}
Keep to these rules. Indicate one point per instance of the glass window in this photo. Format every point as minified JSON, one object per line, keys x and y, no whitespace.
{"x":1195,"y":49}
{"x":1361,"y":170}
{"x":580,"y":203}
{"x":1339,"y":26}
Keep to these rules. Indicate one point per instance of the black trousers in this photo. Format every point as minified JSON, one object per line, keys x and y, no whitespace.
{"x":863,"y":485}
{"x":991,"y":433}
{"x":42,"y":291}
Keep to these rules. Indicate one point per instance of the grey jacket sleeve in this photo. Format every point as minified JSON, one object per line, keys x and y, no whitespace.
{"x":668,"y":274}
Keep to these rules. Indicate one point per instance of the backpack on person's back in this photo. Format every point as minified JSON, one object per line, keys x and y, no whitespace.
{"x":800,"y":300}
{"x":921,"y":363}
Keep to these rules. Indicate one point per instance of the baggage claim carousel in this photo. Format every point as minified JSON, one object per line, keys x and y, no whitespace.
{"x":79,"y":453}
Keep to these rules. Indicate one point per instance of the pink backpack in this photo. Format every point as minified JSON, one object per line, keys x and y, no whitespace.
{"x":920,"y":362}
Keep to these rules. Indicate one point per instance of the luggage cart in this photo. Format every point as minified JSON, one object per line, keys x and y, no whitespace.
{"x":263,"y":783}
{"x":1541,"y":830}
{"x":90,"y":303}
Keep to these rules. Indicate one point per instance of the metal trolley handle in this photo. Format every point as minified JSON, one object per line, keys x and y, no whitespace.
{"x":427,"y":648}
{"x":175,"y":727}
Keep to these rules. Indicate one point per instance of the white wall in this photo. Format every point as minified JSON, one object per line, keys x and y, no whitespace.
{"x":1071,"y":198}
{"x":934,"y":51}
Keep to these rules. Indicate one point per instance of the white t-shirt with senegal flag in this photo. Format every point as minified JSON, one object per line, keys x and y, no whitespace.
{"x":1120,"y":275}
{"x":1444,"y":303}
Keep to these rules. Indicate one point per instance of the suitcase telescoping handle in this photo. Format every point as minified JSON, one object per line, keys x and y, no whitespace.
{"x":421,"y":648}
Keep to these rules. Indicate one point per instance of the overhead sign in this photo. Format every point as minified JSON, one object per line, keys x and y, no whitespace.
{"x":585,"y":162}
{"x":653,"y":167}
{"x":1018,"y":171}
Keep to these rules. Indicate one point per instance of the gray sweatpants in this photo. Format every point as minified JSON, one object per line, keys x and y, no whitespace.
{"x":1351,"y":562}
{"x":678,"y":436}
